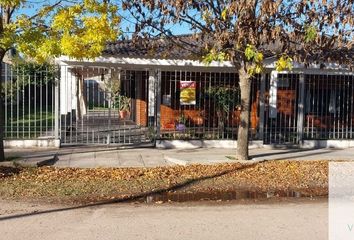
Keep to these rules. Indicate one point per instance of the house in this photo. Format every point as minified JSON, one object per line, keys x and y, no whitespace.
{"x":170,"y":97}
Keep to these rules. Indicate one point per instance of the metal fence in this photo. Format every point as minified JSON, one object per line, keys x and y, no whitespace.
{"x":281,"y":109}
{"x":28,"y":91}
{"x":109,"y":105}
{"x":329,"y":101}
{"x":308,"y":107}
{"x":213,"y":110}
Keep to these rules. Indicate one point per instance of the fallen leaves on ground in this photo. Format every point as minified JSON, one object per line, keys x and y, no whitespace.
{"x":75,"y":184}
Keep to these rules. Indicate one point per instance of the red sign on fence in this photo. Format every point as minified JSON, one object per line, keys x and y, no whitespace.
{"x":188,"y":93}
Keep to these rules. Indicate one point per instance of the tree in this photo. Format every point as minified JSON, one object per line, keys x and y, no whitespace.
{"x":224,"y":98}
{"x":247,"y":31}
{"x":78,"y":29}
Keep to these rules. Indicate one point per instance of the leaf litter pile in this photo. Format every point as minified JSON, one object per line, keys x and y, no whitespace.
{"x":99,"y":184}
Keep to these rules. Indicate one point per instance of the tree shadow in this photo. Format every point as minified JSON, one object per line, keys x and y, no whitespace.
{"x":67,"y":150}
{"x":6,"y":171}
{"x":132,"y":198}
{"x":300,"y":153}
{"x":272,"y":153}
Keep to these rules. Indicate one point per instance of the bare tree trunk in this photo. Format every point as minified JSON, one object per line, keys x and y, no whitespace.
{"x":2,"y":109}
{"x":242,"y":137}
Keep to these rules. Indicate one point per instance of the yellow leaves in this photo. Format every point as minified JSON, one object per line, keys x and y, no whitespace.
{"x":213,"y":55}
{"x":284,"y":63}
{"x":224,"y":14}
{"x":23,"y":21}
{"x":91,"y":5}
{"x":252,"y":54}
{"x":255,"y":69}
{"x":89,"y":40}
{"x":86,"y":28}
{"x":75,"y":10}
{"x":310,"y":33}
{"x":97,"y":184}
{"x":29,"y":40}
{"x":255,"y":58}
{"x":72,"y":45}
{"x":79,"y":30}
{"x":43,"y":12}
{"x":11,"y":3}
{"x":206,"y":16}
{"x":9,"y":36}
{"x":112,"y":8}
{"x":64,"y":20}
{"x":259,"y":57}
{"x":48,"y":48}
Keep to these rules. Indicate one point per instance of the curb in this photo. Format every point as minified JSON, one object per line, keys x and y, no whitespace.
{"x":41,"y":163}
{"x":8,"y":164}
{"x":185,"y":162}
{"x":176,"y":161}
{"x":251,"y":161}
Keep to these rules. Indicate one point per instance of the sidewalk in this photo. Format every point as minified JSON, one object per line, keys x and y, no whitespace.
{"x":91,"y":157}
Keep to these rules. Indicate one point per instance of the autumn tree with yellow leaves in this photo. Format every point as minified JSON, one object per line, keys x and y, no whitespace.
{"x":246,"y":32}
{"x":78,"y":29}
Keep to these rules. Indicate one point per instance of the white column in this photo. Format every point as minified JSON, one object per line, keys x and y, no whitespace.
{"x":74,"y":92}
{"x":273,"y":94}
{"x":63,"y":89}
{"x":262,"y":106}
{"x":68,"y":90}
{"x":158,"y":103}
{"x":152,"y":97}
{"x":56,"y":106}
{"x":300,"y":111}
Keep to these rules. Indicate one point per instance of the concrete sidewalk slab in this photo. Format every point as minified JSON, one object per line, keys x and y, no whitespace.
{"x":152,"y":157}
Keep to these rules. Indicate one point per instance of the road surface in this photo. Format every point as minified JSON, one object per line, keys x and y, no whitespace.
{"x":291,"y":219}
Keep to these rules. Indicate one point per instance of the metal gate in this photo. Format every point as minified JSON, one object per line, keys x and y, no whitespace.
{"x":101,"y":105}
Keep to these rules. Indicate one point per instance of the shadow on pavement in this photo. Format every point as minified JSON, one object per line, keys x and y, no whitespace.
{"x":293,"y":151}
{"x":79,"y":149}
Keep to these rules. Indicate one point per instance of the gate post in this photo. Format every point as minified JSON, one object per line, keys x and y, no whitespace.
{"x":56,"y":103}
{"x":301,"y":105}
{"x":158,"y":103}
{"x":273,"y":93}
{"x":154,"y":99}
{"x":262,"y":107}
{"x":109,"y":93}
{"x":151,"y":98}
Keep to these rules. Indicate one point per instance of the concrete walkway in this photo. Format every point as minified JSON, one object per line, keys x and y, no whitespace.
{"x":90,"y":157}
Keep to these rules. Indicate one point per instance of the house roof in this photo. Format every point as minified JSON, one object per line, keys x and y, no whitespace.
{"x":192,"y":47}
{"x":186,"y":47}
{"x":161,"y":48}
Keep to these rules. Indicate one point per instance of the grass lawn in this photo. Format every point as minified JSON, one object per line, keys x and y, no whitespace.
{"x":72,"y":185}
{"x":30,"y":124}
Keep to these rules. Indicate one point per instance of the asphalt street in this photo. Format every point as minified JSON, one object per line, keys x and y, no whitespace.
{"x":293,"y":219}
